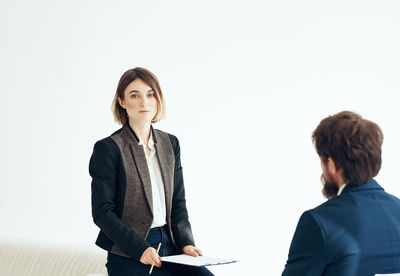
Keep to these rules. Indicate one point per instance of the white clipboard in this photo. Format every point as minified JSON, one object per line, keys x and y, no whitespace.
{"x":195,"y":261}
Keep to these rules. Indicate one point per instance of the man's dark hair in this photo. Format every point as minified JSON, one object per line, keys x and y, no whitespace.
{"x":353,"y":143}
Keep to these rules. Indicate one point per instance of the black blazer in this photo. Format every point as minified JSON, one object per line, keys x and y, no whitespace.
{"x":121,"y":192}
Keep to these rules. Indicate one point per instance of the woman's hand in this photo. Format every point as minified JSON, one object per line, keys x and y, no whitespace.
{"x":149,"y":256}
{"x":192,"y":251}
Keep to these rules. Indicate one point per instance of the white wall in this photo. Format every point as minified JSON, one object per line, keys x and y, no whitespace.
{"x":246,"y":83}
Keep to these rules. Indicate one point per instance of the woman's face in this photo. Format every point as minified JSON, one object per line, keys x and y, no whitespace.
{"x":139,"y":102}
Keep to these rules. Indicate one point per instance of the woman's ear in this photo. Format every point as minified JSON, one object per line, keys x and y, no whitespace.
{"x":121,"y":102}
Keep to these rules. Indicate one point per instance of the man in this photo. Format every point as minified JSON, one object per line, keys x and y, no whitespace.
{"x":357,"y":231}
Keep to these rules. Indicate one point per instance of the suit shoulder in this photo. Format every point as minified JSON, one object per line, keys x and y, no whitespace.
{"x":116,"y":132}
{"x":106,"y":145}
{"x":159,"y":131}
{"x":308,"y":216}
{"x":174,"y":140}
{"x":312,"y":224}
{"x":175,"y":144}
{"x":108,"y":139}
{"x":330,"y":206}
{"x":393,"y":197}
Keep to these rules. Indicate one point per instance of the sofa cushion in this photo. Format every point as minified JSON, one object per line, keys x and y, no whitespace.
{"x":20,"y":258}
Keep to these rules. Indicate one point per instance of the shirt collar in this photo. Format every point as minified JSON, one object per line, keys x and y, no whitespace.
{"x":151,"y":141}
{"x":341,"y":189}
{"x":370,"y":185}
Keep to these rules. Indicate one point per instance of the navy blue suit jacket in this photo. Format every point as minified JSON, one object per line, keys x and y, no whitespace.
{"x":356,"y":233}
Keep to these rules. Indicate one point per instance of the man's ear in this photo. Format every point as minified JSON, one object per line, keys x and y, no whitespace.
{"x":121,"y":102}
{"x":332,"y":167}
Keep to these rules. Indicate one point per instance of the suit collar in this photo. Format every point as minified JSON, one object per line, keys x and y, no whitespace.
{"x":370,"y":185}
{"x":135,"y":137}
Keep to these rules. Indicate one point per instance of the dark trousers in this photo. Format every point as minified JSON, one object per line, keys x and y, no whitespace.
{"x":121,"y":266}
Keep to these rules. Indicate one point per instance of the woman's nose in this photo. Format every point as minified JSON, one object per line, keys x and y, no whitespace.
{"x":143,"y":102}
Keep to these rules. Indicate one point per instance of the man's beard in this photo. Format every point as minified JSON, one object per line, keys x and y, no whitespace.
{"x":330,"y":188}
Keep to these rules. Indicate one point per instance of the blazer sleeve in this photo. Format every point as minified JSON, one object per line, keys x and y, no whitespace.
{"x":181,"y":227}
{"x":307,"y":253}
{"x":103,"y":168}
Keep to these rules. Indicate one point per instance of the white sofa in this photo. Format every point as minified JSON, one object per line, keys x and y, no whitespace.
{"x":28,"y":258}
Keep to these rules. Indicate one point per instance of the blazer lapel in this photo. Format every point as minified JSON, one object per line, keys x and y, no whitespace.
{"x":165,"y":173}
{"x":141,"y":165}
{"x":143,"y":170}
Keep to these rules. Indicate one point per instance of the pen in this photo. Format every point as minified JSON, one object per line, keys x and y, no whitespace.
{"x":152,"y":266}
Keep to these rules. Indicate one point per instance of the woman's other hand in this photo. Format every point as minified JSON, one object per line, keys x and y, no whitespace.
{"x":149,"y":256}
{"x":192,"y":251}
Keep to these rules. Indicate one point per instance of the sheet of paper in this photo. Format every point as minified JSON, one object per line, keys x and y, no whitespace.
{"x":195,"y":261}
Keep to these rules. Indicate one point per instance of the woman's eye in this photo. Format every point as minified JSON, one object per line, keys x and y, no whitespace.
{"x":151,"y":95}
{"x":134,"y":96}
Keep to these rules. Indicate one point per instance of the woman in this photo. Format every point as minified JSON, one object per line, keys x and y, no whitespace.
{"x":138,"y":196}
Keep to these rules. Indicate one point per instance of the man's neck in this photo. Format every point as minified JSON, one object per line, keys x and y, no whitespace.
{"x":339,"y":179}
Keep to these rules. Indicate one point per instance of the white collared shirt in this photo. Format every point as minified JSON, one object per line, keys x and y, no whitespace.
{"x":157,"y":185}
{"x":341,"y":189}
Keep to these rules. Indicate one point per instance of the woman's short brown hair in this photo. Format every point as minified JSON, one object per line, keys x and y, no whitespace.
{"x":129,"y":76}
{"x":353,"y":143}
